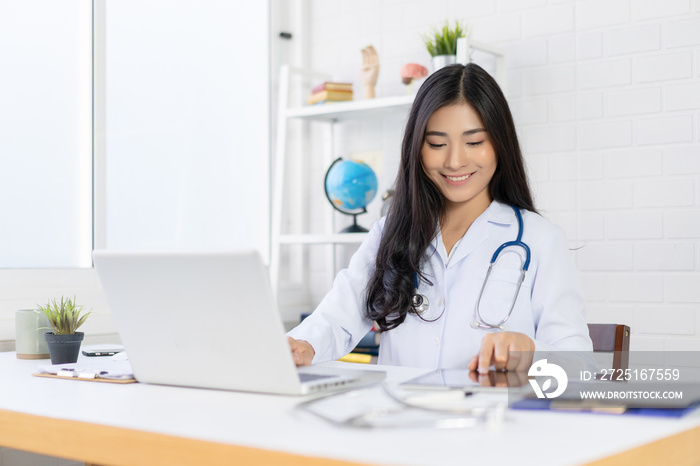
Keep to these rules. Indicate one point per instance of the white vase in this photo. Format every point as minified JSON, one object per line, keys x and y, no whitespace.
{"x":440,"y":61}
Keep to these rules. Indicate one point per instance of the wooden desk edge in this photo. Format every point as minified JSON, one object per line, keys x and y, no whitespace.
{"x":681,"y":449}
{"x":106,"y":445}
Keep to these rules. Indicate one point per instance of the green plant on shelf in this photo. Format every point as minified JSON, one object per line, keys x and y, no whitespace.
{"x":443,"y":41}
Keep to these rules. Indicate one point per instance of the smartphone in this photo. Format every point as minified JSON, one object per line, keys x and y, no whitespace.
{"x":102,"y":351}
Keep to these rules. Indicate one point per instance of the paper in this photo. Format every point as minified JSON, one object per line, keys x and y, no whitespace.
{"x":103,"y":368}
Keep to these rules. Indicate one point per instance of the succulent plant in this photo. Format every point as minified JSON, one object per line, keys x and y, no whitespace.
{"x":443,"y":41}
{"x":64,"y":316}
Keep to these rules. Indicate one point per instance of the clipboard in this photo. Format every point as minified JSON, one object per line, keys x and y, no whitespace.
{"x":90,"y":369}
{"x":87,"y":379}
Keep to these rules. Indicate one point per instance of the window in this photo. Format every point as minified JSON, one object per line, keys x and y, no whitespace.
{"x":45,"y":134}
{"x":187,"y":124}
{"x":180,"y":146}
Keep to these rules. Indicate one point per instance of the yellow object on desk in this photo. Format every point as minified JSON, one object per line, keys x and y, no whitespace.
{"x":356,"y":357}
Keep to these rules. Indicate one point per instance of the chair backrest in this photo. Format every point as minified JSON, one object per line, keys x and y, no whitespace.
{"x":613,"y":338}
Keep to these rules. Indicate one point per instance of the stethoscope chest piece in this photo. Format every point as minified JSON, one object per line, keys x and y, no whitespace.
{"x":420,"y":303}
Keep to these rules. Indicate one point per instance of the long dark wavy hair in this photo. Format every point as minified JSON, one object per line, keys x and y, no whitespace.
{"x":418,"y":207}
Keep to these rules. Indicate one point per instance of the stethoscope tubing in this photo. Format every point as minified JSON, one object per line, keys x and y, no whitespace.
{"x":421,"y":304}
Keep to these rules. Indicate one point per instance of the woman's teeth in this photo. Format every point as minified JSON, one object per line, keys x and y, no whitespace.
{"x":458,"y":178}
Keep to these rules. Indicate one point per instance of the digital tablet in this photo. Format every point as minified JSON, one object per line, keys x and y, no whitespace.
{"x":464,"y":379}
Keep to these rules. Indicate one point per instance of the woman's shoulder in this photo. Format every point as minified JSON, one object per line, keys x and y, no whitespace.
{"x":540,"y":230}
{"x":378,"y":226}
{"x":540,"y":222}
{"x":534,"y":223}
{"x":376,"y":231}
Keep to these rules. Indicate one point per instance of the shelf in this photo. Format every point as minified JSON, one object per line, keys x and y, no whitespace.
{"x":337,"y":238}
{"x":352,"y":110}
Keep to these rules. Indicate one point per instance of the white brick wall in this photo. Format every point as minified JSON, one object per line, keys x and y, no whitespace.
{"x":634,"y":225}
{"x":683,"y":96}
{"x":634,"y":101}
{"x":625,"y":41}
{"x":663,"y":67}
{"x":606,"y":98}
{"x":665,"y":130}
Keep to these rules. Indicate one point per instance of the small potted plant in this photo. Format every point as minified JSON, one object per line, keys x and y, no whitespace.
{"x":65,"y":317}
{"x":442,"y":44}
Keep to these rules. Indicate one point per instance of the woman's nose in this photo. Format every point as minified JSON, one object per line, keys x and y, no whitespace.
{"x":456,"y":158}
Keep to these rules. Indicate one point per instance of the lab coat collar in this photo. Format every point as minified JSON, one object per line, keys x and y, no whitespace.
{"x":496,"y":212}
{"x":500,"y":213}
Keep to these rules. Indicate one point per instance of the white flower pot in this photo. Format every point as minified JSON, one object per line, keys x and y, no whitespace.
{"x":440,"y":61}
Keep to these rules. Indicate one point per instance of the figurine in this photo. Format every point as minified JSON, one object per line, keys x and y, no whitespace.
{"x":410,"y":72}
{"x":369,"y":71}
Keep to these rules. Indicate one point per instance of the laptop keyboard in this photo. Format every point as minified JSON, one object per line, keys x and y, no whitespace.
{"x":311,"y":377}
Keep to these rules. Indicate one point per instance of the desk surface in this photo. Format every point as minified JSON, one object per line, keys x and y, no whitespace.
{"x":148,"y":424}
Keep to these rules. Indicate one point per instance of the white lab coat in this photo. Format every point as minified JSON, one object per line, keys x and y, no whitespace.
{"x":549,"y":308}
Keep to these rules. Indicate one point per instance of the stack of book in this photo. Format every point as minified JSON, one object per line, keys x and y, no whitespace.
{"x":330,"y":92}
{"x":369,"y":344}
{"x":366,"y":350}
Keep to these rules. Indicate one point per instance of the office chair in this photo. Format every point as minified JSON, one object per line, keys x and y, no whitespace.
{"x":614,"y":338}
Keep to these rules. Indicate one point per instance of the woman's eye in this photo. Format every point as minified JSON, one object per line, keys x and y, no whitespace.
{"x":435,"y":146}
{"x":474,"y":144}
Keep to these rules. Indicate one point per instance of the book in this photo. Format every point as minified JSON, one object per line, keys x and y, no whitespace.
{"x":334,"y":96}
{"x":371,"y":340}
{"x":372,"y":351}
{"x":332,"y":86}
{"x":358,"y":358}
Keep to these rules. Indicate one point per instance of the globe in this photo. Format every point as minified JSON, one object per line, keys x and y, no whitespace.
{"x":350,"y":186}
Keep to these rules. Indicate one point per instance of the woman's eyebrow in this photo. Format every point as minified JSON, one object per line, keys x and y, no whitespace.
{"x":466,"y":133}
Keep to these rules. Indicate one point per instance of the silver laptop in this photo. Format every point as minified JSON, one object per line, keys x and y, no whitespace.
{"x":208,"y":320}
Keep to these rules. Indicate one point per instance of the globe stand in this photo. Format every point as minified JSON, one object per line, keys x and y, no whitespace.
{"x":354,"y":228}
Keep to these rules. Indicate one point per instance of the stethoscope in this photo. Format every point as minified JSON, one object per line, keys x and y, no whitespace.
{"x":421,"y":304}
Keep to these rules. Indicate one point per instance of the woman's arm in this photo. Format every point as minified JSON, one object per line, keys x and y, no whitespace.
{"x":339,"y":321}
{"x":558,"y":309}
{"x":558,"y":304}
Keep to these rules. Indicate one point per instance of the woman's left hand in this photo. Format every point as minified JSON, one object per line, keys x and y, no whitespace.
{"x":511,"y":351}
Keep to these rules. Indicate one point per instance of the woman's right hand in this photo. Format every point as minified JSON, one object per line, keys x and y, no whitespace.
{"x":302,"y":351}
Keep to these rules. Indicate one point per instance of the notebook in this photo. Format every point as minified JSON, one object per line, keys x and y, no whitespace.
{"x":207,"y":320}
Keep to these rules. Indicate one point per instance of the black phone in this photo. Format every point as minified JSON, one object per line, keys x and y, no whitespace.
{"x":102,"y":352}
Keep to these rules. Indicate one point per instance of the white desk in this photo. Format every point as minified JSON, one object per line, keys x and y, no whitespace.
{"x":106,"y":423}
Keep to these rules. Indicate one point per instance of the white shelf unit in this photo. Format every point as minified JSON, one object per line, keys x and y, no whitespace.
{"x":332,"y":114}
{"x":337,"y":238}
{"x":340,"y":111}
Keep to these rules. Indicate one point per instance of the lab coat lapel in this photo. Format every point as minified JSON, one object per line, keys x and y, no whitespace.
{"x":479,"y":231}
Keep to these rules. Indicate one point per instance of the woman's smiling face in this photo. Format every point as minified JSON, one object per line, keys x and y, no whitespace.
{"x":458,"y":156}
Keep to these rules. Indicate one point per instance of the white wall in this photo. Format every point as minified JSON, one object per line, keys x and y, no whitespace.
{"x":606,"y":97}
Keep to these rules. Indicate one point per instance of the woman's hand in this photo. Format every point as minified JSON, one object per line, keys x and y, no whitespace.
{"x":302,"y":351}
{"x":500,"y":379}
{"x":511,"y":351}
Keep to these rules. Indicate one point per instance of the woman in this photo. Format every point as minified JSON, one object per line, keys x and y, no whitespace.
{"x":420,"y":272}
